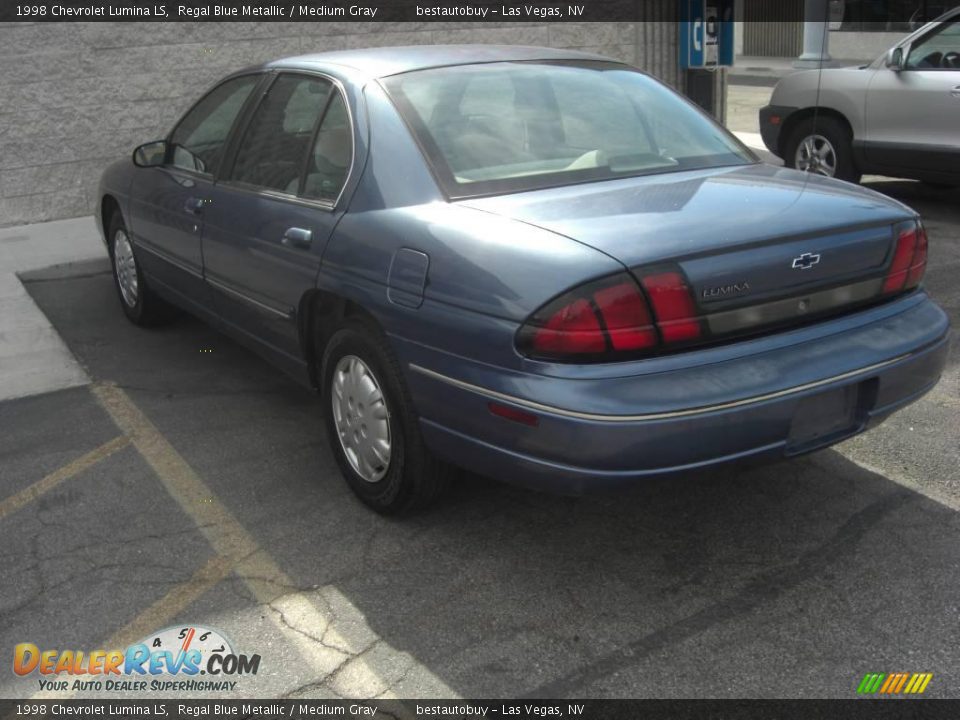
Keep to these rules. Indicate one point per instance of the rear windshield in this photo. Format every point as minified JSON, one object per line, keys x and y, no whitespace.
{"x":514,"y":126}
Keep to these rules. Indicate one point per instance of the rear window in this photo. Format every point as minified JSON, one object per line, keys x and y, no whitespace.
{"x":514,"y":126}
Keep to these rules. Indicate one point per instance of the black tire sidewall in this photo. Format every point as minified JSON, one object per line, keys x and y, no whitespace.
{"x":838,"y":137}
{"x":391,"y":493}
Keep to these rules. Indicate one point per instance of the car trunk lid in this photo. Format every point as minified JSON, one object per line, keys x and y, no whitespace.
{"x":758,"y":245}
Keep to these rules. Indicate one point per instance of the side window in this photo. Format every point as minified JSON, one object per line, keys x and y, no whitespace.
{"x":198,"y":141}
{"x":273,"y":148}
{"x":940,"y":51}
{"x":329,"y":161}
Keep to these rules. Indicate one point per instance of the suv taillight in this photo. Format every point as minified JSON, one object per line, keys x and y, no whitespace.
{"x":611,"y":319}
{"x":909,"y":260}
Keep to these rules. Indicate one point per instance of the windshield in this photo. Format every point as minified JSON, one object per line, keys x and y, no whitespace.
{"x":513,"y":126}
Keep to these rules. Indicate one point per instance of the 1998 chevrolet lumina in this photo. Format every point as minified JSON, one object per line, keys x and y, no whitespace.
{"x":541,"y":265}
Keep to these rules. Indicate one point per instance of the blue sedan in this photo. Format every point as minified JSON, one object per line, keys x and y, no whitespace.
{"x":541,"y":265}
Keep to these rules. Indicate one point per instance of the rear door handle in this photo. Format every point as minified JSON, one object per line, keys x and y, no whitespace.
{"x":297,"y":237}
{"x":194,"y":205}
{"x":956,"y":92}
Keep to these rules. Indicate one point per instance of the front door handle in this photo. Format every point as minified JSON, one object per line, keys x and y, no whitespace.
{"x":297,"y":237}
{"x":956,"y":92}
{"x":194,"y":205}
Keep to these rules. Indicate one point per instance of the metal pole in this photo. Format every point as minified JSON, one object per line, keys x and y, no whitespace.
{"x":816,"y":37}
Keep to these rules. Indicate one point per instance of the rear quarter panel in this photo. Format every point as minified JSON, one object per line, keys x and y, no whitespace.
{"x":485,"y":274}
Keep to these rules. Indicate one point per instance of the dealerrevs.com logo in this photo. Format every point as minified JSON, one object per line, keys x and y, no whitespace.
{"x":184,"y":652}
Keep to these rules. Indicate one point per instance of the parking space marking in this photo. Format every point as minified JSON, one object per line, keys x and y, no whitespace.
{"x":160,"y":613}
{"x":29,"y":494}
{"x":336,"y":641}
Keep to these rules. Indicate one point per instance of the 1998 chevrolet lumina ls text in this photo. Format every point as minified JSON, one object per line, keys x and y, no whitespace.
{"x":541,"y":265}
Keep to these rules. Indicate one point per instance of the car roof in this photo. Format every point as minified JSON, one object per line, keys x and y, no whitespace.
{"x":384,"y":61}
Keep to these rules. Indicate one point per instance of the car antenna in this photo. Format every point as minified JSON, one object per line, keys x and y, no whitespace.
{"x":816,"y":104}
{"x":823,"y":44}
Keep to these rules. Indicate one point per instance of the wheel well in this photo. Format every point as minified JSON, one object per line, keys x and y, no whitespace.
{"x":796,"y":118}
{"x":108,"y":206}
{"x":320,"y":313}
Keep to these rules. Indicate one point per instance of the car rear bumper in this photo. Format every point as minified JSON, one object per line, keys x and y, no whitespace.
{"x":774,"y":402}
{"x":772,"y":120}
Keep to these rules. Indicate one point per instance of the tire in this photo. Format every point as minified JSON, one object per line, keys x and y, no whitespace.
{"x":830,"y":140}
{"x":364,"y":394}
{"x":139,"y":303}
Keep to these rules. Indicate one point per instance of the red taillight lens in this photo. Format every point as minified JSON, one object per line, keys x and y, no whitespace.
{"x":591,"y":322}
{"x":571,"y":330}
{"x":626,"y":316}
{"x":673,"y":305}
{"x":909,"y":260}
{"x":919,"y":264}
{"x":610,"y":319}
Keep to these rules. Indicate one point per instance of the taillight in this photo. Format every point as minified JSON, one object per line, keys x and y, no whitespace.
{"x":610,"y":319}
{"x":673,"y":305}
{"x":909,"y":260}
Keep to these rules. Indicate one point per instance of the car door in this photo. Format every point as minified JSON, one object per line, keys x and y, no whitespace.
{"x":167,"y":202}
{"x":272,"y":211}
{"x":913,"y":116}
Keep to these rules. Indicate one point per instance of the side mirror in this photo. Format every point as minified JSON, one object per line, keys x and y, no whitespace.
{"x":894,"y":59}
{"x":151,"y":154}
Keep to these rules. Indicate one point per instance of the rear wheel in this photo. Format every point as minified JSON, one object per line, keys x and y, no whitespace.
{"x":140,"y":304}
{"x":371,"y":426}
{"x":823,"y":148}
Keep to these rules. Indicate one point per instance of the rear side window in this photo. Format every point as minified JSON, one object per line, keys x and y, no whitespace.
{"x":271,"y":154}
{"x":332,"y":153}
{"x":198,"y":141}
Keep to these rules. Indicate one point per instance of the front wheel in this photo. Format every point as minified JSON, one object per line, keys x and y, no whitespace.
{"x":371,"y":426}
{"x":139,"y":303}
{"x":823,"y":148}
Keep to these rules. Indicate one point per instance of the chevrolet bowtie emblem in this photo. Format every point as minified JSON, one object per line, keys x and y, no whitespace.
{"x":806,"y":261}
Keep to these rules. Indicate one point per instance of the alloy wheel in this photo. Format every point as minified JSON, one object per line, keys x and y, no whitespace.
{"x":816,"y":154}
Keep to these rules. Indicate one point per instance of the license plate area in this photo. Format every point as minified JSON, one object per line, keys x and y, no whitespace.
{"x":829,"y":416}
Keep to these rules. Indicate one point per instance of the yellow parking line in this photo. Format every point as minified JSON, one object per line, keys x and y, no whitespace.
{"x":335,"y":642}
{"x":27,"y":495}
{"x":173,"y":603}
{"x":159,"y":613}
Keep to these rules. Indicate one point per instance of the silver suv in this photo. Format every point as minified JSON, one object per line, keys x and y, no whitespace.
{"x":899,"y":115}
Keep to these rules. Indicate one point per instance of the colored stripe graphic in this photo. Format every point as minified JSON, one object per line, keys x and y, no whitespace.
{"x":894,"y":683}
{"x":891,"y":681}
{"x":871,"y":682}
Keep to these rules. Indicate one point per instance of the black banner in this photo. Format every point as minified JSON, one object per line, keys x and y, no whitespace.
{"x":334,"y":10}
{"x":486,"y":709}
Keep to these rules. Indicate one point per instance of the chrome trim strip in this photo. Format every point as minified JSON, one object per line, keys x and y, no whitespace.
{"x":246,"y":298}
{"x":532,"y":405}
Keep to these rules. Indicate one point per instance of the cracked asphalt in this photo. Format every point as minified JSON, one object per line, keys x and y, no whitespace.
{"x":199,"y":490}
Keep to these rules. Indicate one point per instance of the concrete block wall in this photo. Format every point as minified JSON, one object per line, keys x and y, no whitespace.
{"x":76,"y":96}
